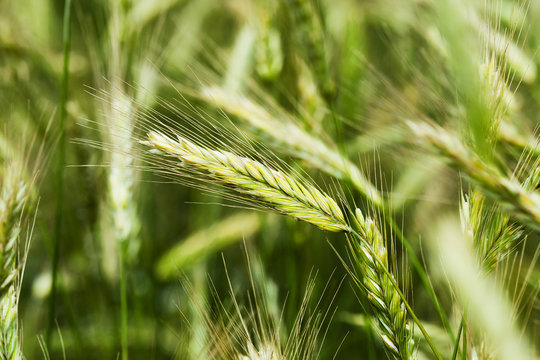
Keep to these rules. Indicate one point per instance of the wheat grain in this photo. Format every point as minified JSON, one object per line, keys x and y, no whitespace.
{"x":371,"y":262}
{"x":274,"y":188}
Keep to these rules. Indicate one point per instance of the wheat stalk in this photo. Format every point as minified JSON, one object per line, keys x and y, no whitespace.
{"x":276,"y":189}
{"x":373,"y":276}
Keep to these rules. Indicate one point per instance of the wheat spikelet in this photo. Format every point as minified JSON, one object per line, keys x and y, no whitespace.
{"x":268,"y":53}
{"x":266,"y":353}
{"x":522,"y":201}
{"x":372,"y":276}
{"x":299,"y":143}
{"x":274,"y":188}
{"x":505,"y":44}
{"x":310,"y":37}
{"x":9,"y":336}
{"x":492,"y":234}
{"x":252,"y":330}
{"x":12,"y":201}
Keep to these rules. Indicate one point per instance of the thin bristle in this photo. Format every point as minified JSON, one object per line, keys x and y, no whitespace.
{"x":300,"y":143}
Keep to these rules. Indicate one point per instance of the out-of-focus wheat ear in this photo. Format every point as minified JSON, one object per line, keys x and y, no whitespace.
{"x":491,"y":232}
{"x":268,"y":352}
{"x":313,"y":109}
{"x":273,"y":188}
{"x":13,"y":198}
{"x":252,"y":330}
{"x":310,"y":38}
{"x":10,"y":348}
{"x":506,"y":44}
{"x":268,"y":52}
{"x":120,"y":220}
{"x":370,"y":255}
{"x":209,"y":240}
{"x":489,"y":311}
{"x":524,"y":203}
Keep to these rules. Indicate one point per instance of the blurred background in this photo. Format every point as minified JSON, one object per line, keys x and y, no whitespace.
{"x":345,"y":71}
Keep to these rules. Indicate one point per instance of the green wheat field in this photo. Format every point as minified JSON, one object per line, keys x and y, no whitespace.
{"x":270,"y":179}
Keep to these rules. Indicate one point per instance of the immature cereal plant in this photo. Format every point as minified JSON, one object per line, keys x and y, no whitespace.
{"x":14,"y":196}
{"x":18,"y":174}
{"x":252,"y":332}
{"x":373,"y":275}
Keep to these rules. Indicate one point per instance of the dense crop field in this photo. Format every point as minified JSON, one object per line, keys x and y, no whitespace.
{"x":269,"y":180}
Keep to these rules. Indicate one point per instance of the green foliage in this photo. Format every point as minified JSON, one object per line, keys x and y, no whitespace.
{"x":189,"y":136}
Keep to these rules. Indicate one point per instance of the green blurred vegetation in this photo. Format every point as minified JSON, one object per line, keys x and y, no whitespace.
{"x":350,"y":72}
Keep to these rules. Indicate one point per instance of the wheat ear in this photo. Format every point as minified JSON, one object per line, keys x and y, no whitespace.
{"x":310,"y":38}
{"x":513,"y":195}
{"x":373,"y":277}
{"x":297,"y":141}
{"x":303,"y":201}
{"x":13,"y":197}
{"x":492,"y":233}
{"x":275,"y":189}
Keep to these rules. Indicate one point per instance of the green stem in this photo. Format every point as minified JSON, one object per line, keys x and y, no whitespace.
{"x":60,"y":170}
{"x":464,"y":341}
{"x":456,"y":343}
{"x":123,"y":301}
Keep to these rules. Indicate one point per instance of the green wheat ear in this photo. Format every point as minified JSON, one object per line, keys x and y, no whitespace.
{"x":275,"y":189}
{"x":509,"y":192}
{"x":492,"y":233}
{"x":372,"y":275}
{"x":14,"y":194}
{"x":298,"y":142}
